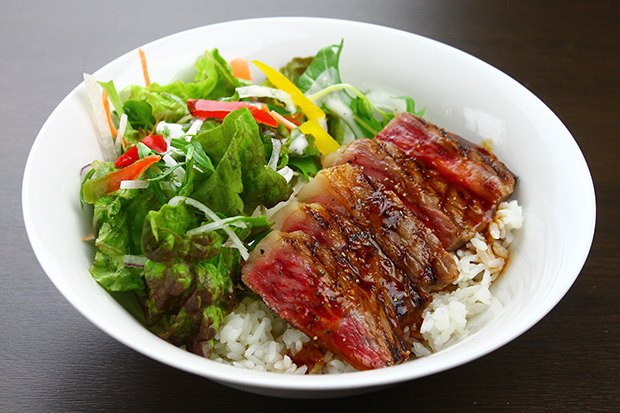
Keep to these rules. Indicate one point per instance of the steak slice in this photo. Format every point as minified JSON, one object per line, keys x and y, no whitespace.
{"x":454,"y":158}
{"x":361,"y":258}
{"x":303,"y":283}
{"x":405,"y":240}
{"x":450,"y":211}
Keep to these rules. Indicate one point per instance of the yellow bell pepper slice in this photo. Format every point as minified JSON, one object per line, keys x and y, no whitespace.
{"x":324,"y":141}
{"x":308,"y":107}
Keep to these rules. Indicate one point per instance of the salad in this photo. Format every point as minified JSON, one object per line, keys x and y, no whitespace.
{"x":190,"y":170}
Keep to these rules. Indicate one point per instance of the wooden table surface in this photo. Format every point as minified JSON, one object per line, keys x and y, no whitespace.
{"x":565,"y":52}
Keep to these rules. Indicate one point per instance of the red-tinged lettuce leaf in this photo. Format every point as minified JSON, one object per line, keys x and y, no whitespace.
{"x":296,"y":67}
{"x":171,"y":256}
{"x":212,"y":298}
{"x":191,"y":278}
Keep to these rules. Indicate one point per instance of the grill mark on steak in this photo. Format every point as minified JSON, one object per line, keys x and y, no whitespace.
{"x":361,"y":256}
{"x":404,"y":239}
{"x":456,"y":159}
{"x":451,"y":212}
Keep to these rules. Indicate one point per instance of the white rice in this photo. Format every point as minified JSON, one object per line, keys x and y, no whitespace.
{"x":253,"y":337}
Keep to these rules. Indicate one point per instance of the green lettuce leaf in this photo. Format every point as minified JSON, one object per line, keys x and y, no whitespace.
{"x":213,"y":80}
{"x":118,"y":221}
{"x":296,"y":67}
{"x":241,"y":181}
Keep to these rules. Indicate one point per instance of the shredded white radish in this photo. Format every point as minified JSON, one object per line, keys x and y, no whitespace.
{"x":213,"y":226}
{"x":195,"y":126}
{"x":122,"y":127}
{"x":267,"y":92}
{"x":287,"y":173}
{"x":99,"y":117}
{"x":275,"y":153}
{"x":173,"y":130}
{"x":234,"y":239}
{"x":298,"y":142}
{"x":134,"y":184}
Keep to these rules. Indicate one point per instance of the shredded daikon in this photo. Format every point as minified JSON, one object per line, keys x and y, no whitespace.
{"x":104,"y":136}
{"x":122,"y":127}
{"x":213,"y":226}
{"x":170,"y":130}
{"x":287,"y":173}
{"x":298,"y":142}
{"x":171,"y":163}
{"x":195,"y":126}
{"x":134,"y":184}
{"x":275,"y":153}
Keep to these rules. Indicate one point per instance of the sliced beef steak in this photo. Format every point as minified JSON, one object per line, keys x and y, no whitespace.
{"x":360,"y":259}
{"x":450,"y":211}
{"x":405,"y":240}
{"x":454,"y":158}
{"x":301,"y":281}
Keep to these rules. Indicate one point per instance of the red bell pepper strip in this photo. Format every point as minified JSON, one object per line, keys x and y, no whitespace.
{"x":96,"y":188}
{"x":155,"y":142}
{"x":215,"y":109}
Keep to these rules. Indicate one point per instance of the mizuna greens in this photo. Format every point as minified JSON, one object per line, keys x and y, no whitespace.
{"x":189,"y":171}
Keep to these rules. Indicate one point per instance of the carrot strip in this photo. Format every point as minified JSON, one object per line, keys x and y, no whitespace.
{"x":289,"y":125}
{"x":145,"y":71}
{"x":106,"y":106}
{"x":241,"y":68}
{"x":88,"y":237}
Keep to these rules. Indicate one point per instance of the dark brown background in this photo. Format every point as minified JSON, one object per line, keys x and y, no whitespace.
{"x":567,"y":53}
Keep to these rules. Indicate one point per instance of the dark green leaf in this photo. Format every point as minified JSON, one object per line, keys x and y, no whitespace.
{"x":139,"y":114}
{"x":113,"y":95}
{"x":323,"y":66}
{"x":308,"y":166}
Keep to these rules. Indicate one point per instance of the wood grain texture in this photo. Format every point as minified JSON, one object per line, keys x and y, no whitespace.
{"x":567,"y":53}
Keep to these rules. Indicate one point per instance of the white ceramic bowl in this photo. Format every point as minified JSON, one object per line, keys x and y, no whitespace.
{"x":460,"y":93}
